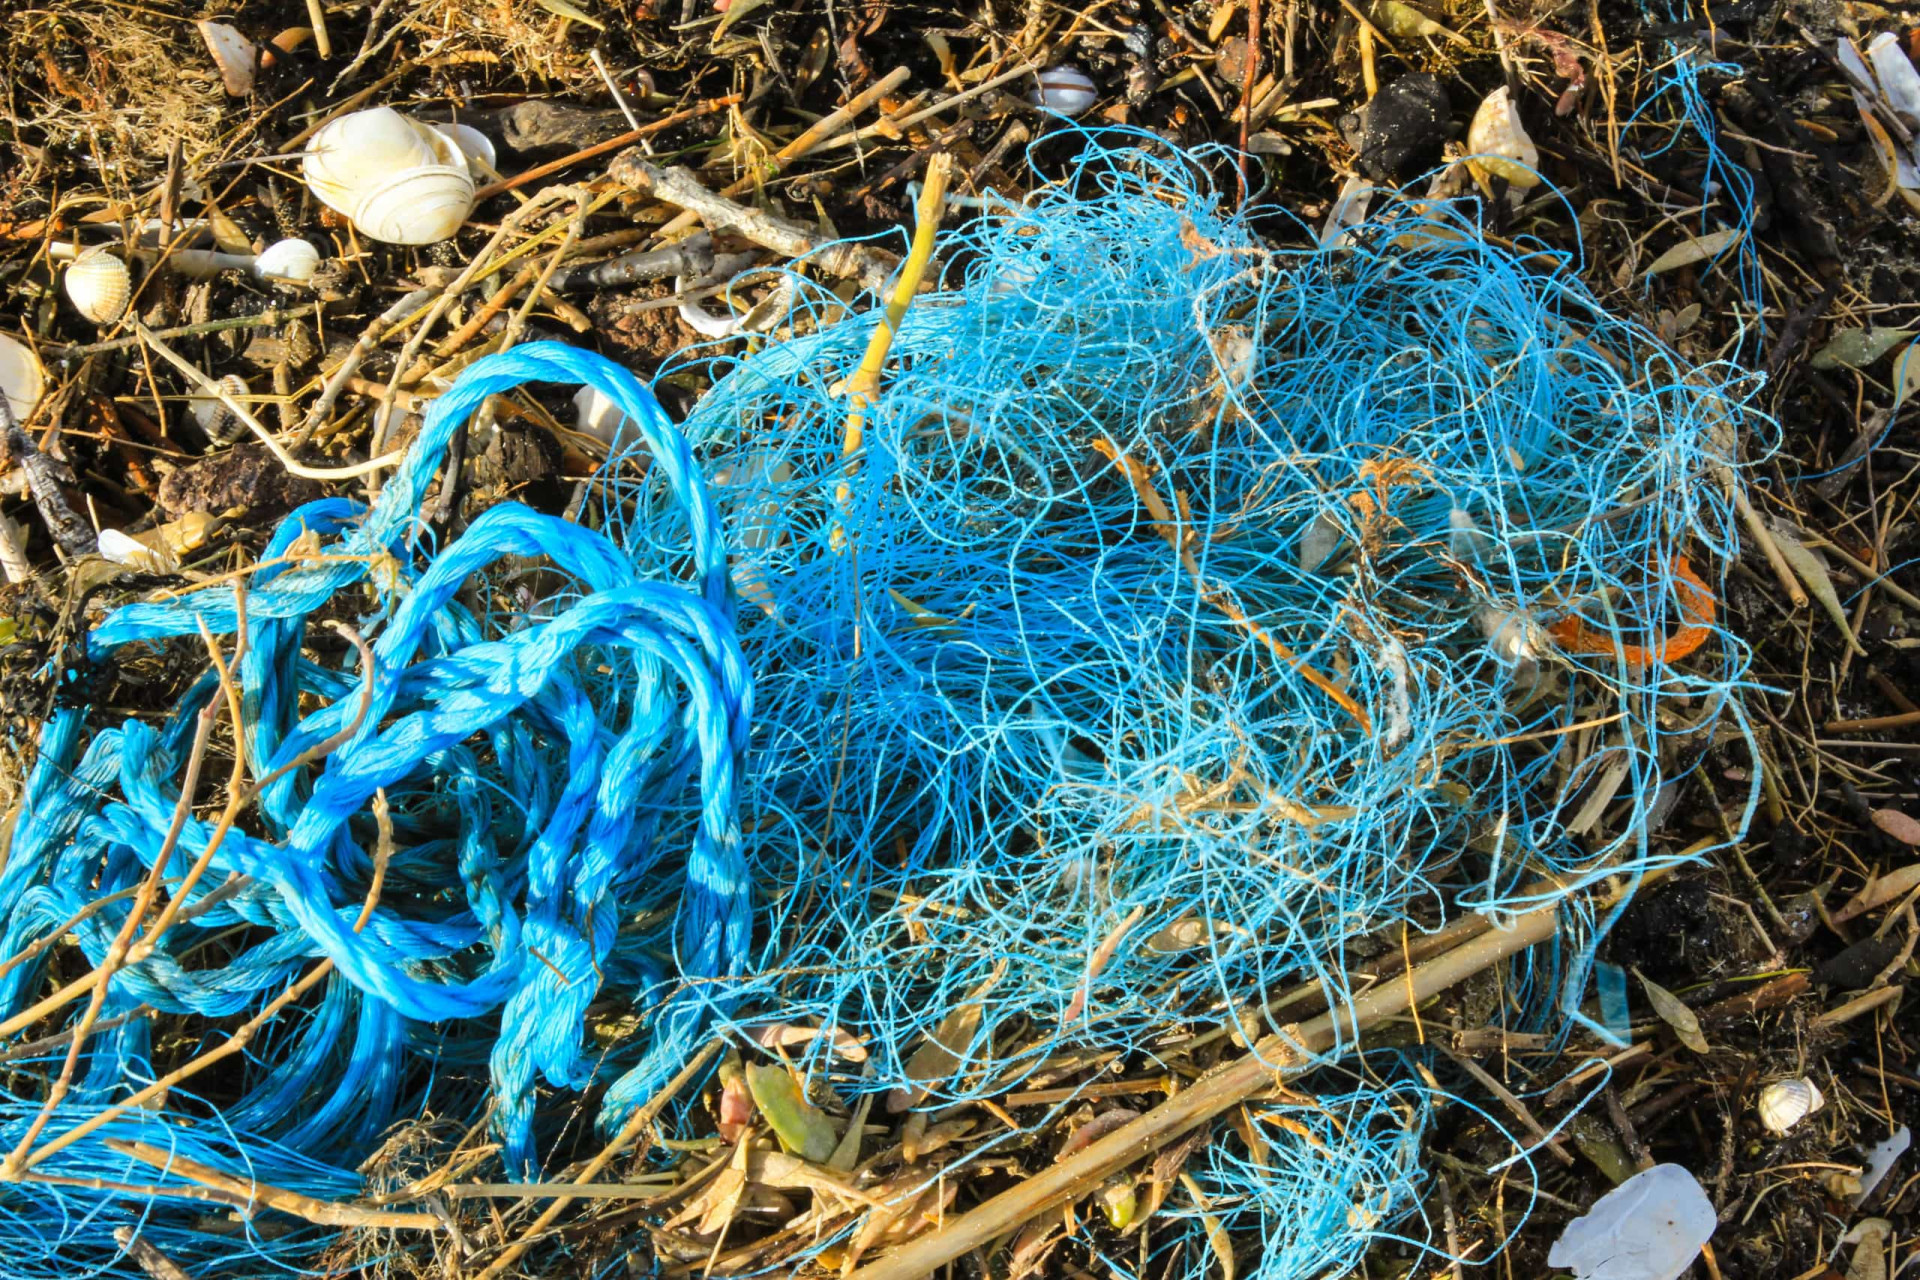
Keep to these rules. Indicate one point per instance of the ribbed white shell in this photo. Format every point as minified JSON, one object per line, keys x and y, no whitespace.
{"x":1785,"y":1103}
{"x":21,"y":380}
{"x":99,"y":285}
{"x":1498,"y":142}
{"x":399,"y":180}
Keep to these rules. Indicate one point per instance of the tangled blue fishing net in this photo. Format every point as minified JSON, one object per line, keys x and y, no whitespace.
{"x":1192,"y":612}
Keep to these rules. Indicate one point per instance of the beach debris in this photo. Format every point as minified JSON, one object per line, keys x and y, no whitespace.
{"x":1650,"y":1227}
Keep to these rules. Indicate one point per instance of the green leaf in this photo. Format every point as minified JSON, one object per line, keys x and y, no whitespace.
{"x":801,"y":1127}
{"x":1858,"y":348}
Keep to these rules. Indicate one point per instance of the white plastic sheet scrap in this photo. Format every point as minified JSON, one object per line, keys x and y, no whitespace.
{"x":1650,"y":1227}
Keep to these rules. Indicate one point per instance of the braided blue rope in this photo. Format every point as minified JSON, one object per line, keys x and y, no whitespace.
{"x":628,"y":693}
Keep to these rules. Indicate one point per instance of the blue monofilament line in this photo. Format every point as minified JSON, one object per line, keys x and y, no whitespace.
{"x":1193,"y":610}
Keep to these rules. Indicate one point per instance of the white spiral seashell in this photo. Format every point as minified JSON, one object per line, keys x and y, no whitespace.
{"x":419,"y":206}
{"x":1065,"y":89}
{"x":99,"y":285}
{"x":1498,"y":142}
{"x":287,"y":262}
{"x":1785,"y":1103}
{"x":218,"y":421}
{"x":399,"y":180}
{"x":21,"y":379}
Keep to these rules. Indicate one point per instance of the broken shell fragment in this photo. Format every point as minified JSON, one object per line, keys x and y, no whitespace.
{"x":21,"y":379}
{"x":233,"y":53}
{"x":1785,"y":1103}
{"x":1497,"y":141}
{"x":473,"y":144}
{"x":98,"y":284}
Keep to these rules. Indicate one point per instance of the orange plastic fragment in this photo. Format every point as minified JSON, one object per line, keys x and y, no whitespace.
{"x":1696,"y":603}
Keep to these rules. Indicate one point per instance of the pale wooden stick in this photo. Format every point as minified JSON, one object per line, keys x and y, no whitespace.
{"x":287,"y":460}
{"x":317,"y":15}
{"x":1269,"y":1063}
{"x":789,"y":239}
{"x":248,"y":1193}
{"x":1796,"y":594}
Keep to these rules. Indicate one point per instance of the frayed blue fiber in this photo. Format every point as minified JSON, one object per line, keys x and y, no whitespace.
{"x":1192,"y":610}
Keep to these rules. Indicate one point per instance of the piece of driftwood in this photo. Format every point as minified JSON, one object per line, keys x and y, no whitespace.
{"x":677,"y":186}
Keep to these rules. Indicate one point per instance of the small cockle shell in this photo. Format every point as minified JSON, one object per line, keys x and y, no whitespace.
{"x":99,"y":285}
{"x":212,"y":414}
{"x":21,"y":379}
{"x":1065,"y":89}
{"x":399,"y":180}
{"x":1498,"y":142}
{"x":1785,"y":1103}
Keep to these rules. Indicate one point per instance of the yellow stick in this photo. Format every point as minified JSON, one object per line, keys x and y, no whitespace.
{"x":863,"y":388}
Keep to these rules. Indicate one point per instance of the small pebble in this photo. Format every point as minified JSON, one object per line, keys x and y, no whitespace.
{"x":1406,"y":123}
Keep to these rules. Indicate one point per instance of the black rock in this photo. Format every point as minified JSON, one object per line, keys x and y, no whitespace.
{"x":1405,"y":126}
{"x":1858,"y":965}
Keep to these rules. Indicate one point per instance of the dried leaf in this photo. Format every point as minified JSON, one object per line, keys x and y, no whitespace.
{"x":1695,"y":250}
{"x":1217,"y":1239}
{"x":787,"y":1035}
{"x":801,"y":1127}
{"x":847,"y":1155}
{"x":1031,"y":1246}
{"x":905,"y":1218}
{"x":778,"y":1169}
{"x":1883,"y":889}
{"x":1095,"y":1129}
{"x":924,"y":1139}
{"x":936,"y":1059}
{"x":1674,"y":1012}
{"x":714,"y":1207}
{"x":1858,"y":348}
{"x":1809,"y":569}
{"x":1898,"y":825}
{"x":1869,"y":1239}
